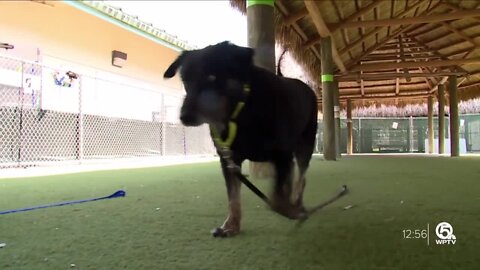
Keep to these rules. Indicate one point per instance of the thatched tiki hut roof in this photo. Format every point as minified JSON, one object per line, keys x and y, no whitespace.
{"x":385,"y":51}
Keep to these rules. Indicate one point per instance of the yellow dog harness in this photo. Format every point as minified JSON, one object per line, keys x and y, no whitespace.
{"x":220,"y":143}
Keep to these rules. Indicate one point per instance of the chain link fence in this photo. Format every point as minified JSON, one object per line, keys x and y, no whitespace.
{"x":49,"y":116}
{"x":403,"y":135}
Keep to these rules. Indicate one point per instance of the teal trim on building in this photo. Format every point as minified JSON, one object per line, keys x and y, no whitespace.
{"x":169,"y":41}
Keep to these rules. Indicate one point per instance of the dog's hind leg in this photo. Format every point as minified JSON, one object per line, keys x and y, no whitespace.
{"x":231,"y":226}
{"x":303,"y":155}
{"x":299,"y":184}
{"x":281,"y":202}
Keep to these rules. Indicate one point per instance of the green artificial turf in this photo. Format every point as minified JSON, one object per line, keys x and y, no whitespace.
{"x":164,"y":221}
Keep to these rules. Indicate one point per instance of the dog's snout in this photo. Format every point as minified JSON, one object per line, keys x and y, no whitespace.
{"x":188,"y":119}
{"x":188,"y":114}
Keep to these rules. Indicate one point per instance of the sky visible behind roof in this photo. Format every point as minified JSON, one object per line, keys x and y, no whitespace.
{"x":201,"y":23}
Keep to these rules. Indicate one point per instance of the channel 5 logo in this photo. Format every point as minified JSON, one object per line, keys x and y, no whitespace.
{"x":445,"y":234}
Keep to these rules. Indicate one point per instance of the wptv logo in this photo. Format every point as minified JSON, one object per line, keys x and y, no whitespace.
{"x":445,"y":234}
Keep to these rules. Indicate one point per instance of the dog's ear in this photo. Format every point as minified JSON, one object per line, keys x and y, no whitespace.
{"x":172,"y":69}
{"x":244,"y":57}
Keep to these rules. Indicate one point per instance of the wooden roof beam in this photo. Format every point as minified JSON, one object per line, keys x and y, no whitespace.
{"x":394,"y":54}
{"x":442,"y":81}
{"x":378,"y":77}
{"x":360,"y":40}
{"x":426,"y":12}
{"x":323,"y":31}
{"x":458,"y":32}
{"x":417,"y":31}
{"x":414,"y":20}
{"x":375,"y":31}
{"x":443,"y":35}
{"x":390,"y":47}
{"x":386,"y":71}
{"x":388,"y":44}
{"x":312,"y":41}
{"x":357,"y":14}
{"x":427,"y":81}
{"x":470,"y":52}
{"x":296,"y":16}
{"x":435,"y":52}
{"x":455,"y":43}
{"x":456,"y":8}
{"x":344,"y":32}
{"x":385,"y":96}
{"x":434,"y":79}
{"x":388,"y":57}
{"x":402,"y":58}
{"x":283,"y":10}
{"x":437,"y":63}
{"x":386,"y":89}
{"x":389,"y":37}
{"x":469,"y":85}
{"x":397,"y":80}
{"x":397,"y":86}
{"x":362,"y":87}
{"x":376,"y":46}
{"x":371,"y":86}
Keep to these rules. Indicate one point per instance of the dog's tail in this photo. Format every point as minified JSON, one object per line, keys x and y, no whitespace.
{"x":279,"y":71}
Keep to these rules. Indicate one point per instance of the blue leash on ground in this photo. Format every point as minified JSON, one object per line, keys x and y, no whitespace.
{"x":117,"y":194}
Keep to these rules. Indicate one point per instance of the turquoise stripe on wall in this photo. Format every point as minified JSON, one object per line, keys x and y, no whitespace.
{"x":96,"y":13}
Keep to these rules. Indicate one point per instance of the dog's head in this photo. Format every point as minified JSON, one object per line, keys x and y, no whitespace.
{"x":214,"y":78}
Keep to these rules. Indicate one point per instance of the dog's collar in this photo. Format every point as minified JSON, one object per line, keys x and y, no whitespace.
{"x":224,"y":144}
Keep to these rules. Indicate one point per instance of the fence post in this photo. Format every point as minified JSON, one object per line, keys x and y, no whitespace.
{"x":454,"y":119}
{"x":441,"y":118}
{"x":336,"y":115}
{"x":80,"y":122}
{"x":430,"y":124}
{"x":466,"y":132}
{"x":349,"y":127}
{"x":410,"y":134}
{"x":163,"y":131}
{"x":20,"y":116}
{"x":360,"y":138}
{"x":184,"y":133}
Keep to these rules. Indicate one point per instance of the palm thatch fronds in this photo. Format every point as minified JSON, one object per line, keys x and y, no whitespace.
{"x":424,"y":42}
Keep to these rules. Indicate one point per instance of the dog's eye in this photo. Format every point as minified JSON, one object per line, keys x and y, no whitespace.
{"x":211,"y":78}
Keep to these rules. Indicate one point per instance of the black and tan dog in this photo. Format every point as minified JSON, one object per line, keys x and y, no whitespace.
{"x":276,"y":121}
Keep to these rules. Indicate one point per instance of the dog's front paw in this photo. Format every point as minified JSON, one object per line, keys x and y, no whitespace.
{"x":289,"y":211}
{"x":224,"y":232}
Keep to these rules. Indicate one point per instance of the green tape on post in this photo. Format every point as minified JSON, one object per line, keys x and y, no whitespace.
{"x":260,"y":2}
{"x":327,"y":77}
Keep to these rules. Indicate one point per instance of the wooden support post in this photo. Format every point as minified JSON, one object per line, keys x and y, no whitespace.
{"x":329,"y":152}
{"x":349,"y":127}
{"x":260,"y":28}
{"x":454,"y":119}
{"x":261,"y":37}
{"x":441,"y":118}
{"x":430,"y":124}
{"x":336,"y":114}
